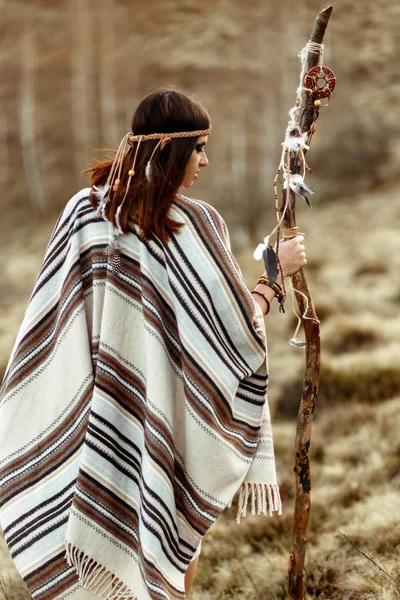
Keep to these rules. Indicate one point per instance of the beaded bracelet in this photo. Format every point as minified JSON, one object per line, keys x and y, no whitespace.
{"x":263,"y":279}
{"x":265,"y":298}
{"x":280,"y":294}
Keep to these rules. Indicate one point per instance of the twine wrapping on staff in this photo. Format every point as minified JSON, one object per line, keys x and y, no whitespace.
{"x":290,"y":232}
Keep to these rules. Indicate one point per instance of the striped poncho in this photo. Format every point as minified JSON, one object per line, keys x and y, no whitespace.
{"x":133,"y":408}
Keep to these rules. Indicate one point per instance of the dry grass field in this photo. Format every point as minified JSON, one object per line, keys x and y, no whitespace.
{"x":353,"y":272}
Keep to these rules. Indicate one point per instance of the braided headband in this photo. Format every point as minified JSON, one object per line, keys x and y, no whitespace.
{"x":132,"y":138}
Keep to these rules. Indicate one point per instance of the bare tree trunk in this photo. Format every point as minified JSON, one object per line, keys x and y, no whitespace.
{"x":132,"y":96}
{"x":4,"y":150}
{"x":239,"y":162}
{"x":4,"y":158}
{"x":108,"y":70}
{"x":267,"y":122}
{"x":30,"y":156}
{"x":82,"y":85}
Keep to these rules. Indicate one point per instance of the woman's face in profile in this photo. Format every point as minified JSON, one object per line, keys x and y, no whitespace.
{"x":197,"y":161}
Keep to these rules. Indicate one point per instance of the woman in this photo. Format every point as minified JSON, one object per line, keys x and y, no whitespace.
{"x":134,"y":404}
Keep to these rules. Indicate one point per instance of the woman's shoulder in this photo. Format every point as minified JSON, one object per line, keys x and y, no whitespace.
{"x":76,"y":209}
{"x":204,"y":216}
{"x":79,"y":198}
{"x":75,"y":204}
{"x":199,"y":208}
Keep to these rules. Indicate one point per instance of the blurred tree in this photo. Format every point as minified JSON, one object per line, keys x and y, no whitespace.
{"x":27,"y":120}
{"x":107,"y":59}
{"x":83,"y":84}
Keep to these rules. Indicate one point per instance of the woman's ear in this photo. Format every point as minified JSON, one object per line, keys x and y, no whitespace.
{"x":164,"y":142}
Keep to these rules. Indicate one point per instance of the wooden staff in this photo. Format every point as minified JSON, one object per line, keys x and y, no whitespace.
{"x":312,"y":358}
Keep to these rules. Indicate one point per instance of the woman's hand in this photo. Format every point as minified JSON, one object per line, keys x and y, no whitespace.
{"x":292,"y":255}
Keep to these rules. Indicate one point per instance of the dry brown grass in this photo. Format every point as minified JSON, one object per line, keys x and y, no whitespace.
{"x":368,"y":383}
{"x":356,"y":490}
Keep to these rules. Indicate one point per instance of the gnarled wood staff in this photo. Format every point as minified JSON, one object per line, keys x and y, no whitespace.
{"x":317,"y":82}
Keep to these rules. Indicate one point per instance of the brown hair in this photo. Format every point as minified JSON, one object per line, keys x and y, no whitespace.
{"x":147,"y":204}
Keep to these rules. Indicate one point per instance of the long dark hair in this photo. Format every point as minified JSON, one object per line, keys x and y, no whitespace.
{"x":147,"y":204}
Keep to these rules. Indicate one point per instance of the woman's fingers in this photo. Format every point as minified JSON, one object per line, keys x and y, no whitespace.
{"x":292,"y":255}
{"x":295,"y":257}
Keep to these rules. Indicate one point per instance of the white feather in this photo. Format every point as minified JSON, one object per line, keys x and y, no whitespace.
{"x":294,"y":143}
{"x":117,"y":222}
{"x":294,"y":180}
{"x":147,"y":171}
{"x":101,"y":191}
{"x":258,"y":252}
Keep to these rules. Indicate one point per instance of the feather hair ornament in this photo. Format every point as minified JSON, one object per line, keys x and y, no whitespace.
{"x":101,"y":193}
{"x":131,"y":173}
{"x":147,"y":170}
{"x":117,"y":220}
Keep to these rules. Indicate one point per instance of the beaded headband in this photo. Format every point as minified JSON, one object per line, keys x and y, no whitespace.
{"x":114,"y":178}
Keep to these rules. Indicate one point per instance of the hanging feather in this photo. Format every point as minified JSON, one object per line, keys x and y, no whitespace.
{"x":294,"y":143}
{"x":267,"y":253}
{"x":271,"y":263}
{"x":113,"y":251}
{"x":101,"y":192}
{"x":300,"y":188}
{"x":117,"y":219}
{"x":147,"y":171}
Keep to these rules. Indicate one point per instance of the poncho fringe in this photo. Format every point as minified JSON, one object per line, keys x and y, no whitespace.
{"x":95,"y":577}
{"x":263,"y":499}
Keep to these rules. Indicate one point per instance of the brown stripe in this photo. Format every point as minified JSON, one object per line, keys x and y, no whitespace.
{"x":48,"y":572}
{"x":35,"y":337}
{"x":51,"y":463}
{"x":134,"y":406}
{"x":149,"y":572}
{"x":220,"y":407}
{"x":171,"y":466}
{"x":197,"y":216}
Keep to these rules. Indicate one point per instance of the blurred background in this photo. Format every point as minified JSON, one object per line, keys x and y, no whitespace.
{"x":72,"y":73}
